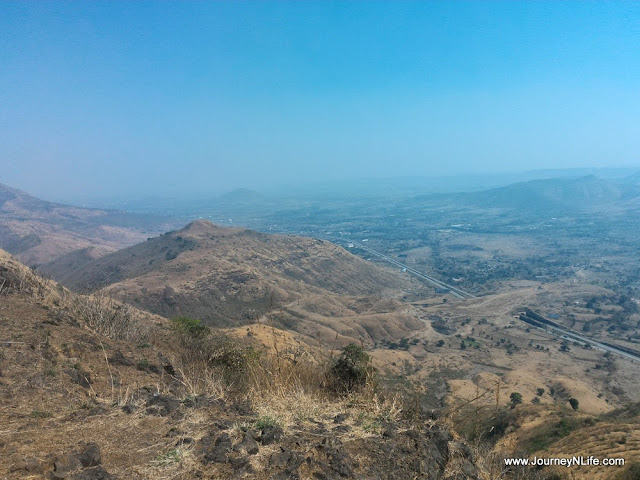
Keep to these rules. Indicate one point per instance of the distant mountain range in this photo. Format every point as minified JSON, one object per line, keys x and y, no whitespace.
{"x":557,"y":195}
{"x":570,"y":193}
{"x":40,"y":232}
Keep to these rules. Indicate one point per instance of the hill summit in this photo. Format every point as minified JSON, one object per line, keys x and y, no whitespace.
{"x":234,"y":276}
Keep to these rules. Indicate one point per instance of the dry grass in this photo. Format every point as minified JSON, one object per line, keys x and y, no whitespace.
{"x":16,"y":278}
{"x":106,"y":316}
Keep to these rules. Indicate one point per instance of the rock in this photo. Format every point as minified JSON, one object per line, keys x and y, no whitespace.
{"x":129,"y":408}
{"x":95,"y":473}
{"x":280,"y":460}
{"x":145,"y":366}
{"x":287,"y":459}
{"x":162,"y":405}
{"x":248,"y":444}
{"x":342,"y":429}
{"x":90,"y":455}
{"x":173,"y":432}
{"x":218,"y":452}
{"x":32,"y":465}
{"x":239,"y":463}
{"x":79,"y":377}
{"x":469,"y":469}
{"x":270,"y":435}
{"x":241,"y":408}
{"x":17,"y":463}
{"x":184,"y":441}
{"x":119,"y":359}
{"x":97,"y":410}
{"x":64,"y":465}
{"x":341,"y":417}
{"x":196,"y":402}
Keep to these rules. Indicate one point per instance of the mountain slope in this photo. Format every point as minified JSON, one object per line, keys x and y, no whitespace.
{"x":231,"y":276}
{"x":78,"y":404}
{"x":39,"y":232}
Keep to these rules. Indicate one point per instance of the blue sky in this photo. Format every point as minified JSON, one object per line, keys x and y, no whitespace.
{"x":133,"y":98}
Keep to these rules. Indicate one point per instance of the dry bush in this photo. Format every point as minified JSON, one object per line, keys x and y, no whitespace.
{"x":106,"y":316}
{"x":16,"y":278}
{"x":286,"y":387}
{"x":290,"y":387}
{"x":207,"y":362}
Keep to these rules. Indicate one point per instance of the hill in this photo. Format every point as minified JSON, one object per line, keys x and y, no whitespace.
{"x":40,"y":232}
{"x":83,"y":404}
{"x":230,"y":276}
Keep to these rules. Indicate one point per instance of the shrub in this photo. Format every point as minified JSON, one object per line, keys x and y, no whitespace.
{"x":350,"y":370}
{"x":574,"y":403}
{"x":104,"y":315}
{"x":190,"y":327}
{"x":210,"y":361}
{"x":516,"y":398}
{"x":547,"y":434}
{"x":266,"y":421}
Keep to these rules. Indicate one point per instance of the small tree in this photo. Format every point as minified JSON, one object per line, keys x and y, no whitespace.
{"x":574,"y":403}
{"x":540,"y":392}
{"x":349,"y":371}
{"x":516,"y":398}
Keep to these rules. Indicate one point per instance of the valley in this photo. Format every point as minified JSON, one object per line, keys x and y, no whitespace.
{"x":432,"y":287}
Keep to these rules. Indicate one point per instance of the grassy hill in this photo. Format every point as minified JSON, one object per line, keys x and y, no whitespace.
{"x":228,"y":276}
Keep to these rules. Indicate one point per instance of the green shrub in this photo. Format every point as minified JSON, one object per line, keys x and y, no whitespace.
{"x":516,"y":398}
{"x":574,"y":403}
{"x":350,"y":370}
{"x":266,"y":421}
{"x":190,"y":327}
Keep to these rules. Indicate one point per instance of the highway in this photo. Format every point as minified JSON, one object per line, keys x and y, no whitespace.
{"x":568,"y":334}
{"x":437,"y":283}
{"x":551,"y":327}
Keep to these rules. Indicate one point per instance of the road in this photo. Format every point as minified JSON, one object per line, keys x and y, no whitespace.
{"x":568,"y":334}
{"x":437,"y":283}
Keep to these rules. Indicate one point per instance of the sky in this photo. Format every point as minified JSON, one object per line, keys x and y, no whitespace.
{"x":145,"y":98}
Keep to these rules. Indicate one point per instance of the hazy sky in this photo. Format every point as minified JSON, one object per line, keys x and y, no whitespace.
{"x":130,"y":98}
